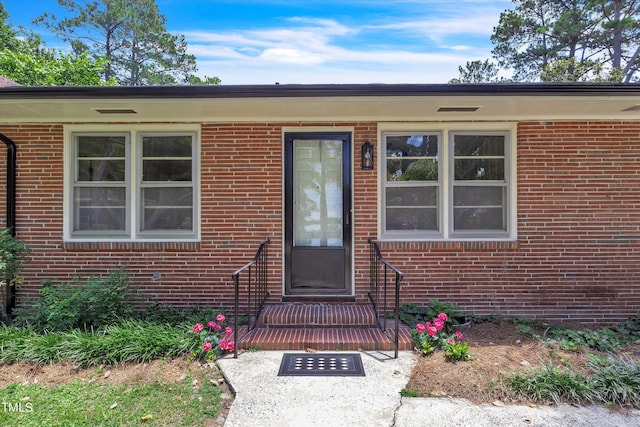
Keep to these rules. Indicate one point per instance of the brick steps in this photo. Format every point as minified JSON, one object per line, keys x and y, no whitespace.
{"x":328,"y":327}
{"x":318,"y":315}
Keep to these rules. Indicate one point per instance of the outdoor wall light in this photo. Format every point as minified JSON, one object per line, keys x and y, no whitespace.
{"x":367,"y":155}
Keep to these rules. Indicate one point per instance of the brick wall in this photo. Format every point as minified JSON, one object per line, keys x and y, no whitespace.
{"x":241,"y":183}
{"x":577,"y":256}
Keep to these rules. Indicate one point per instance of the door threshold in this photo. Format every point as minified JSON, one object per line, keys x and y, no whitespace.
{"x":318,"y":298}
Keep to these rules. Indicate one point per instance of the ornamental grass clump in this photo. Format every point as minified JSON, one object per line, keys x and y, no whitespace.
{"x":215,"y":339}
{"x":438,"y":335}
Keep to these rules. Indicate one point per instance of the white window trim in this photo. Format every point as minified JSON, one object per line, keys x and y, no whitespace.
{"x":134,"y":164}
{"x":445,"y":129}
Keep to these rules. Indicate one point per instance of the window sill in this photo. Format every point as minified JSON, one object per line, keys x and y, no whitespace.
{"x":111,"y":246}
{"x":449,"y":245}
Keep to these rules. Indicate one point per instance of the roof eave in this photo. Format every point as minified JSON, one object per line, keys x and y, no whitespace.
{"x":323,"y":90}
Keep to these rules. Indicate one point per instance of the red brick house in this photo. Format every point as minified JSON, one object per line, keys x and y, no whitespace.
{"x":503,"y":198}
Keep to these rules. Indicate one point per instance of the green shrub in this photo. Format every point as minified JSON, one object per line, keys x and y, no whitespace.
{"x":611,"y":381}
{"x":609,"y":339}
{"x":92,"y":303}
{"x":615,"y":381}
{"x":457,"y":351}
{"x":162,"y":313}
{"x":550,"y":384}
{"x":411,"y":314}
{"x":126,"y":341}
{"x":13,"y":256}
{"x":129,"y":341}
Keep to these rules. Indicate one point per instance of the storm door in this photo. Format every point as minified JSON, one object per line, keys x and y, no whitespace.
{"x":317,"y":214}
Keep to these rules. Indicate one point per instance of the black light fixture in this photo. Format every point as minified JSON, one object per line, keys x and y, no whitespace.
{"x":367,"y":155}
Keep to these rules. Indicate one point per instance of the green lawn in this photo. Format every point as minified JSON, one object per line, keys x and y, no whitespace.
{"x":86,"y":403}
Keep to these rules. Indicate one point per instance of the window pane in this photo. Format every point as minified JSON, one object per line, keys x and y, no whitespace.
{"x":412,"y":146}
{"x":412,"y":158}
{"x":101,"y":146}
{"x":167,"y":209}
{"x":412,"y":196}
{"x":479,"y":169}
{"x":478,"y":196}
{"x":100,"y":209}
{"x":101,"y":170}
{"x":479,"y":208}
{"x":167,"y":197}
{"x":100,"y":158}
{"x":479,"y":145}
{"x":491,"y":219}
{"x":165,"y":219}
{"x":166,"y":146}
{"x":100,"y":196}
{"x":416,"y":219}
{"x":166,"y":170}
{"x":412,"y":170}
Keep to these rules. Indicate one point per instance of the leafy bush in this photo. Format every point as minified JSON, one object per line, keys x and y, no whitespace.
{"x":162,"y":313}
{"x":214,"y":340}
{"x":129,"y":341}
{"x":94,"y":302}
{"x":13,"y":256}
{"x":611,"y":381}
{"x":607,"y":339}
{"x":126,"y":341}
{"x":456,"y":351}
{"x":412,"y":314}
{"x":551,"y":384}
{"x":615,"y":381}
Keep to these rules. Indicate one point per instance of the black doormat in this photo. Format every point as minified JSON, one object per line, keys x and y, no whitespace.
{"x":321,"y":365}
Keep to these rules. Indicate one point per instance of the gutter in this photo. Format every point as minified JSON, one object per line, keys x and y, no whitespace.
{"x":11,"y":206}
{"x":322,"y":90}
{"x":11,"y":184}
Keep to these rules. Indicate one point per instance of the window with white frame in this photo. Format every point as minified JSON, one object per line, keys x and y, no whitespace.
{"x":133,"y":185}
{"x":447,"y":185}
{"x":412,"y":184}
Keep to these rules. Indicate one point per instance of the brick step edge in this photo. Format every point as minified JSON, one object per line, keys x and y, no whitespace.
{"x":317,"y":315}
{"x":327,"y":339}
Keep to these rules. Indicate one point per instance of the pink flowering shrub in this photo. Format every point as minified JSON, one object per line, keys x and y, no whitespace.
{"x":214,"y":340}
{"x":436,"y":335}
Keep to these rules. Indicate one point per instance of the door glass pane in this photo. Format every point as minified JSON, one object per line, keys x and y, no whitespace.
{"x":317,"y":193}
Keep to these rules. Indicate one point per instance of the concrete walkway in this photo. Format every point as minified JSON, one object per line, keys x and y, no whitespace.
{"x":264,"y":399}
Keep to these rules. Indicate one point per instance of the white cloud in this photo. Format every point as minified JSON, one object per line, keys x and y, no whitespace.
{"x":291,"y":56}
{"x":314,"y":50}
{"x":465,"y":23}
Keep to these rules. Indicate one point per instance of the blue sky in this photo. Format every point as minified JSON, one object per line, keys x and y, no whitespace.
{"x":325,"y":41}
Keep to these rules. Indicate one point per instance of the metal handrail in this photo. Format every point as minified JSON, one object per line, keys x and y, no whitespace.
{"x":377,"y":263}
{"x":256,"y":270}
